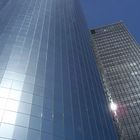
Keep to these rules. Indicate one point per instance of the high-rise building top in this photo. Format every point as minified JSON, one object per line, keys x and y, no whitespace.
{"x":50,"y":87}
{"x":118,"y":60}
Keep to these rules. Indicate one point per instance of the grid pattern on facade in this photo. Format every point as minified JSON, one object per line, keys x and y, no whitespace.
{"x":118,"y":60}
{"x":48,"y":78}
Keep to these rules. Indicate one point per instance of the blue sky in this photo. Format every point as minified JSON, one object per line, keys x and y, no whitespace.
{"x":102,"y":12}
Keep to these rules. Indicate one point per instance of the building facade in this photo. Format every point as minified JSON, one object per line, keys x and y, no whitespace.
{"x":118,"y":59}
{"x":50,"y":87}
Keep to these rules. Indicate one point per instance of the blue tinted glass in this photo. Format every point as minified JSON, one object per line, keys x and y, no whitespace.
{"x":50,"y":85}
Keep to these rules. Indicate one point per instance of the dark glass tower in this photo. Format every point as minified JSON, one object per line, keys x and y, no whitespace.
{"x":118,"y":58}
{"x":50,"y":88}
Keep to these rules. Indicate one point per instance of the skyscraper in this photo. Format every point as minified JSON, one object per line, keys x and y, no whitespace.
{"x":50,"y":88}
{"x":118,"y":59}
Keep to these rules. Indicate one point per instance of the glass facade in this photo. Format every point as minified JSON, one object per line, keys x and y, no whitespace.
{"x":117,"y":55}
{"x":50,"y":88}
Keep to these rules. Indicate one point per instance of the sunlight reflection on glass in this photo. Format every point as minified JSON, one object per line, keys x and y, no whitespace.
{"x":9,"y":117}
{"x":9,"y":104}
{"x":8,"y":110}
{"x":4,"y":92}
{"x":113,"y":106}
{"x":11,"y":87}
